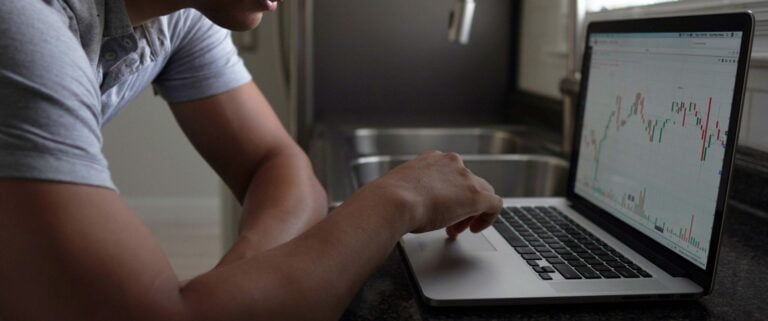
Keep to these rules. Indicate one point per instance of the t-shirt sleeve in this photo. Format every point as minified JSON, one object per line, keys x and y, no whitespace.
{"x":204,"y":61}
{"x":49,"y":100}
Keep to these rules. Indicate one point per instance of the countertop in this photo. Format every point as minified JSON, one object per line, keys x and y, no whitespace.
{"x":739,"y":294}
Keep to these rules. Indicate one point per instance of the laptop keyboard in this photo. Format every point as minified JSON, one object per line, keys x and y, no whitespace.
{"x":552,"y":243}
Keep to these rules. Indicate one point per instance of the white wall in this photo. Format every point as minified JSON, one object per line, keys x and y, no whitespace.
{"x":151,"y":159}
{"x":754,"y":128}
{"x":168,"y":185}
{"x":543,"y":47}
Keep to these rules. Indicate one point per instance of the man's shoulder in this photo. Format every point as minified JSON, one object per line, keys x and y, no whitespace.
{"x":15,"y":13}
{"x":37,"y":20}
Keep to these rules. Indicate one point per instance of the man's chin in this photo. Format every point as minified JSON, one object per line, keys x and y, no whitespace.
{"x":242,"y":23}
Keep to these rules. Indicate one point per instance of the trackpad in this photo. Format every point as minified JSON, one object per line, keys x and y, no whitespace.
{"x":469,"y":242}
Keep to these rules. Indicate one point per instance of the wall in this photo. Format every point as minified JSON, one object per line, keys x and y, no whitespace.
{"x":754,"y":124}
{"x":386,"y":58}
{"x":151,"y":160}
{"x":543,"y":47}
{"x":166,"y":183}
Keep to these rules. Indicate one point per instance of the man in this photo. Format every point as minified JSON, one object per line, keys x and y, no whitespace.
{"x":69,"y":247}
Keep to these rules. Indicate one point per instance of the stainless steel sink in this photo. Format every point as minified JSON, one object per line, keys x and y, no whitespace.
{"x":414,"y":141}
{"x":511,"y":175}
{"x":334,"y":149}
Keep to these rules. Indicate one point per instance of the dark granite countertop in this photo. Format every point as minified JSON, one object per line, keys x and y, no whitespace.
{"x":740,"y":290}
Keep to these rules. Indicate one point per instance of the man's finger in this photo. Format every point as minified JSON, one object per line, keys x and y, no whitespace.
{"x":493,"y":205}
{"x":483,"y":185}
{"x":454,"y":230}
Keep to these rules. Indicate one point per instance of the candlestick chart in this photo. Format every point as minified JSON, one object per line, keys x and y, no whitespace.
{"x":653,"y":141}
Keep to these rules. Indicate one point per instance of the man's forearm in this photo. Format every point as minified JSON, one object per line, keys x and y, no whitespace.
{"x":312,"y":277}
{"x":283,"y":200}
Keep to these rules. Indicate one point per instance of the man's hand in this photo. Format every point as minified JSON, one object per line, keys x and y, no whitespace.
{"x":440,"y":192}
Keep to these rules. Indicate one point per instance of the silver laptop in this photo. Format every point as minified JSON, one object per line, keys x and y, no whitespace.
{"x":653,"y":149}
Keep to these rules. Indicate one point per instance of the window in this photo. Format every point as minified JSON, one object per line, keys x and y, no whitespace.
{"x":603,"y":5}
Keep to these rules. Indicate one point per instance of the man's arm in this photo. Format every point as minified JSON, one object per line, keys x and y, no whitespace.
{"x":72,"y":252}
{"x":242,"y":139}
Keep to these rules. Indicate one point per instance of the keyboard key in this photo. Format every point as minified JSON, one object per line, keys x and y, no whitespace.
{"x":591,"y":246}
{"x":524,"y":250}
{"x":515,"y":210}
{"x":531,"y":238}
{"x":569,"y":257}
{"x":586,"y":255}
{"x":634,"y":267}
{"x":555,"y":261}
{"x":552,"y":241}
{"x":627,"y":273}
{"x":609,"y":274}
{"x":548,"y":269}
{"x":509,"y":235}
{"x":575,"y":263}
{"x":607,"y":258}
{"x":644,"y":274}
{"x":556,"y":245}
{"x":578,"y":249}
{"x":593,"y":261}
{"x":566,"y":271}
{"x":538,"y":269}
{"x":601,"y":267}
{"x":587,"y":272}
{"x":543,"y":234}
{"x":548,"y":255}
{"x":516,"y":242}
{"x":572,"y":244}
{"x":545,"y":276}
{"x":533,"y":262}
{"x":537,"y":243}
{"x":541,"y":248}
{"x":531,"y":257}
{"x":615,"y":264}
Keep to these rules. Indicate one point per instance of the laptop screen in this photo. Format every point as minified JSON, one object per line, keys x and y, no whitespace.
{"x":655,"y":122}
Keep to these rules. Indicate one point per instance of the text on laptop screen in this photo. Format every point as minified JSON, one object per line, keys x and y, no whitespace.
{"x":654,"y":131}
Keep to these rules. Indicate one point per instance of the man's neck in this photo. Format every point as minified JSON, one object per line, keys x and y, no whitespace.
{"x":142,"y":10}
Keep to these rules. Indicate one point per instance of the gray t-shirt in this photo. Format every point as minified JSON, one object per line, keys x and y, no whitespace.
{"x":68,"y":66}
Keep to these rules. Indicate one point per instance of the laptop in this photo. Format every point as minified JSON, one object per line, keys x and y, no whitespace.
{"x":654,"y":144}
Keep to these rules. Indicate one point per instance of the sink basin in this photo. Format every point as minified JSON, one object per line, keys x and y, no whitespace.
{"x":332,"y":150}
{"x":511,"y":175}
{"x":414,"y":141}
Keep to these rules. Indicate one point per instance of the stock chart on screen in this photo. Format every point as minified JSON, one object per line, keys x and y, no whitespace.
{"x":655,"y":126}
